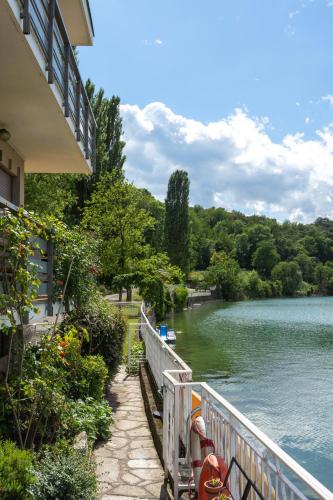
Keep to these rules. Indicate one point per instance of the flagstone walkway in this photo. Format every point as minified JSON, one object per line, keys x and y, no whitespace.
{"x":127,"y":464}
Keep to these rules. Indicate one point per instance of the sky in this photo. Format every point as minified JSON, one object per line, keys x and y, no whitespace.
{"x":239,"y":93}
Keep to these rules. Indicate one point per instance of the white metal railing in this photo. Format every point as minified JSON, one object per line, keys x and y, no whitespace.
{"x":159,"y":355}
{"x":274,"y":472}
{"x":200,"y":293}
{"x":130,"y":309}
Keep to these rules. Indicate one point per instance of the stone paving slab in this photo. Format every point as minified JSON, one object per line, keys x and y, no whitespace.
{"x":127,"y":464}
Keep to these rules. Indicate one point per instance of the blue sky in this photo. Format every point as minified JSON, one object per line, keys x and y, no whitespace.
{"x":272,"y":60}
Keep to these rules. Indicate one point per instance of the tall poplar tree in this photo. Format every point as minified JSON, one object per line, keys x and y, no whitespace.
{"x":110,"y":156}
{"x":177,"y":225}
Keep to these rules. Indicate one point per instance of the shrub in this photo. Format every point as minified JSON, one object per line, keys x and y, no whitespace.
{"x":180,"y":297}
{"x":89,"y":378}
{"x":289,"y":274}
{"x":53,"y":374}
{"x":16,"y":474}
{"x":91,"y":416}
{"x":66,"y":474}
{"x":197,"y":279}
{"x":106,"y":328}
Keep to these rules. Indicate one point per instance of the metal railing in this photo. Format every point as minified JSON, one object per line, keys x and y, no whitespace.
{"x":128,"y":309}
{"x":42,"y":19}
{"x":159,"y":355}
{"x":274,"y":472}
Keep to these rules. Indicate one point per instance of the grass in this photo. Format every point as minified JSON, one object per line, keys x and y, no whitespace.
{"x":132,"y":326}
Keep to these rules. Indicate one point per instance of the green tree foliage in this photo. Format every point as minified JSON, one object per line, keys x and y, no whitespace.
{"x":224,"y":274}
{"x":156,"y":209}
{"x":265,"y":258}
{"x":106,"y":327}
{"x":115,"y":216}
{"x":110,"y":146}
{"x":289,"y":274}
{"x":16,"y":476}
{"x":110,"y":156}
{"x":259,"y":243}
{"x":324,"y":278}
{"x":157,"y":277}
{"x":180,"y":295}
{"x":177,"y":226}
{"x":51,"y":194}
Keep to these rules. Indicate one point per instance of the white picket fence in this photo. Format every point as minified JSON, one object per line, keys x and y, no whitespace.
{"x":275,"y":474}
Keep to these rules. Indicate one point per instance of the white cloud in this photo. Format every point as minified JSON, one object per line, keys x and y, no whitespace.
{"x":328,"y":98}
{"x":231,"y":163}
{"x":294,"y":14}
{"x":307,"y":120}
{"x":157,"y":41}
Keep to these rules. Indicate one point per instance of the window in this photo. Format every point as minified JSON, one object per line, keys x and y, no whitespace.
{"x":6,"y":185}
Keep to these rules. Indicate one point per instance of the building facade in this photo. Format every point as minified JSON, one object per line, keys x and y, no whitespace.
{"x":46,"y":122}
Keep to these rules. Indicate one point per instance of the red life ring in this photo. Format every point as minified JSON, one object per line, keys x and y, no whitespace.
{"x":200,"y":447}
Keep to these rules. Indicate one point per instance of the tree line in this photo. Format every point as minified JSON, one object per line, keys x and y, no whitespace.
{"x":157,"y":247}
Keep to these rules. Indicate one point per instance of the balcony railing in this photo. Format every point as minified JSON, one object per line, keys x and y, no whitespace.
{"x":42,"y":19}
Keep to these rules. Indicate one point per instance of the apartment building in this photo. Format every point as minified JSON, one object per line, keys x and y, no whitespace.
{"x":46,"y":122}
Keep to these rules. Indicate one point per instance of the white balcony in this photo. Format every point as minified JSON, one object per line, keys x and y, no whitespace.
{"x":43,"y":102}
{"x":77,"y":18}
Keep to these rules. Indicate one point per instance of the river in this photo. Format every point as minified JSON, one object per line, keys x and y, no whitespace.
{"x":273,"y":360}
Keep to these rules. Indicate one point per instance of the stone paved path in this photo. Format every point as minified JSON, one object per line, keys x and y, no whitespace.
{"x":127,"y":465}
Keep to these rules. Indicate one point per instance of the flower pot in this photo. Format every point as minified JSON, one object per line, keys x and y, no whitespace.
{"x":226,"y":494}
{"x":213,"y":491}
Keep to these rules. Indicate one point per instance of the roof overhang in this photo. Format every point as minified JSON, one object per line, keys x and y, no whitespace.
{"x":78,"y":21}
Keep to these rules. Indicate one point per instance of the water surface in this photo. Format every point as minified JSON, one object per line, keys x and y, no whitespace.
{"x":272,"y":359}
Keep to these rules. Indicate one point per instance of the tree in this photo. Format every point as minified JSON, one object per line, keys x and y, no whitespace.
{"x":289,"y":274}
{"x":177,"y":227}
{"x":224,"y":274}
{"x":324,"y":278}
{"x":265,"y":258}
{"x":156,"y":209}
{"x":109,"y":144}
{"x":307,"y":265}
{"x":51,"y":194}
{"x":157,"y":276}
{"x":115,"y":215}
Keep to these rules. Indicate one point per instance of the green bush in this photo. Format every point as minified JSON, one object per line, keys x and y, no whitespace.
{"x":180,"y":297}
{"x":106,"y":328}
{"x":94,"y":417}
{"x":89,"y":378}
{"x":53,"y":374}
{"x":66,"y":474}
{"x":16,"y":474}
{"x":197,"y":279}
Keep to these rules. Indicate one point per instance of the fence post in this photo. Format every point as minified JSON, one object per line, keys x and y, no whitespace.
{"x":129,"y":349}
{"x":176,"y":444}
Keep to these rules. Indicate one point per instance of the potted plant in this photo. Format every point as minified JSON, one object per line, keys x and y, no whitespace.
{"x":213,"y":487}
{"x":223,"y":496}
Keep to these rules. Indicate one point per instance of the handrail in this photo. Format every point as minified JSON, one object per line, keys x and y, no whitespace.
{"x":286,"y":459}
{"x":172,"y":354}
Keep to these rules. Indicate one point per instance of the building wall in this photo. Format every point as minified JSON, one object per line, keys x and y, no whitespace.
{"x":11,"y":175}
